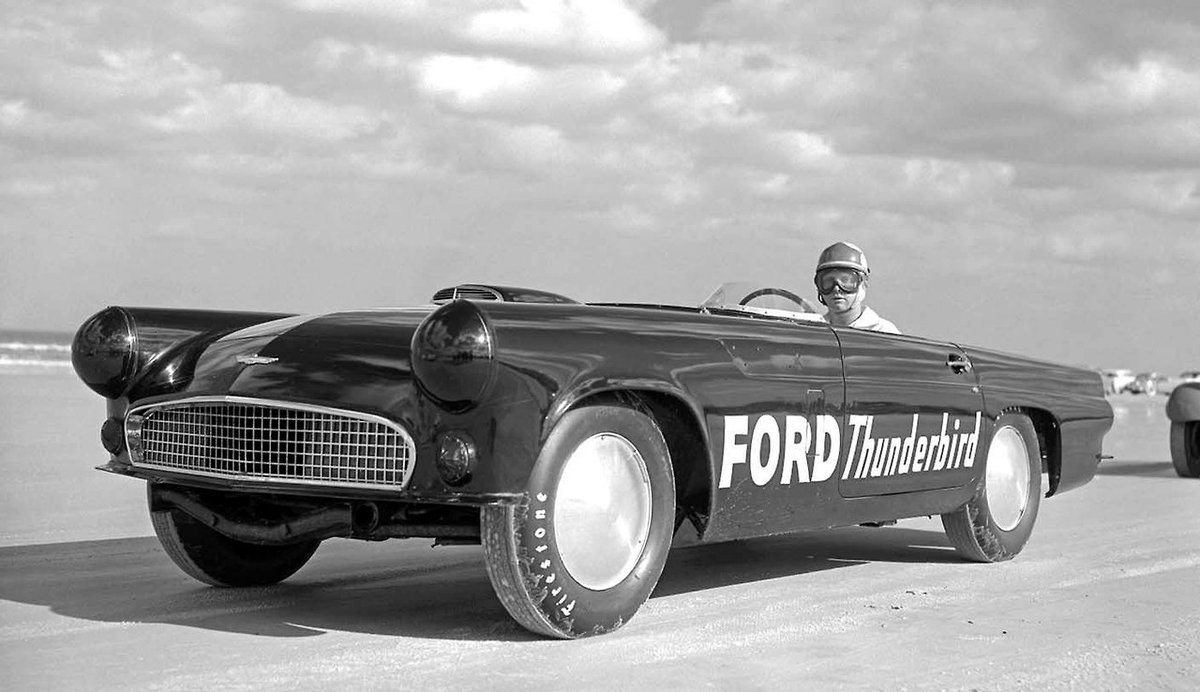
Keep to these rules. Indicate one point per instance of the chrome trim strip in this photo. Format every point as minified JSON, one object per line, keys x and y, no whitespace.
{"x":135,"y":417}
{"x":255,"y":359}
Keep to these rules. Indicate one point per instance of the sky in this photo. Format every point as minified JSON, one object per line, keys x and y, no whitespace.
{"x":1022,"y":176}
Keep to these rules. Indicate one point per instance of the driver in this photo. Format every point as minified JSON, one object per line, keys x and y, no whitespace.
{"x":841,"y":280}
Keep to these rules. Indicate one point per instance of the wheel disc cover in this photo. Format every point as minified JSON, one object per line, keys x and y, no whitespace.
{"x":602,"y":511}
{"x":1007,"y":482}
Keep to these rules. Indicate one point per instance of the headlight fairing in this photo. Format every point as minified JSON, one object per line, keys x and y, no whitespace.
{"x":104,"y":352}
{"x":453,"y":356}
{"x":113,"y":347}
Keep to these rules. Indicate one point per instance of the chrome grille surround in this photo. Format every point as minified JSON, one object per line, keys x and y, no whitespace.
{"x":248,"y":439}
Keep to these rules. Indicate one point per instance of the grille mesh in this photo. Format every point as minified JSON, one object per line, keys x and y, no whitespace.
{"x":270,"y":442}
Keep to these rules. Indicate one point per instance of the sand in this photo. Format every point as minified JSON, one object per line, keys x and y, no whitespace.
{"x":1104,"y":596}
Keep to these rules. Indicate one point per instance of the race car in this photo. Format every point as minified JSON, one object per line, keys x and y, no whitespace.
{"x":1183,"y":410}
{"x":571,"y":440}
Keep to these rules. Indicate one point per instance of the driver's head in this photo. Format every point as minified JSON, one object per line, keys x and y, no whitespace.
{"x":841,"y":280}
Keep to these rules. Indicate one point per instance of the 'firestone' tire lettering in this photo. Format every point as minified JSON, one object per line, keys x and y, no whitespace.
{"x":561,"y":568}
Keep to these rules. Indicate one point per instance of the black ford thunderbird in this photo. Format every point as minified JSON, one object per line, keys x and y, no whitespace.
{"x":571,"y":440}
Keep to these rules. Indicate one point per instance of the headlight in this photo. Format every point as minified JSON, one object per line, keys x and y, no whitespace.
{"x":456,"y":457}
{"x":453,"y":356}
{"x":105,"y":353}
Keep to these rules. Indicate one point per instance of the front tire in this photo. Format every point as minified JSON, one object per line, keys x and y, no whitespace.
{"x":218,"y":560}
{"x":586,"y":548}
{"x":1185,"y":448}
{"x":996,"y":522}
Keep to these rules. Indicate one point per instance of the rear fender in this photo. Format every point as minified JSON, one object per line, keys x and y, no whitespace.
{"x":1184,"y":404}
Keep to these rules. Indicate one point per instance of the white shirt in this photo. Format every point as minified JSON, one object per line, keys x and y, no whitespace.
{"x":869,"y":319}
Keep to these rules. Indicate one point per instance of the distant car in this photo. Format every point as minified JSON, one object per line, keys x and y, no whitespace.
{"x":1183,"y":410}
{"x":1146,"y":383}
{"x":1189,"y":376}
{"x":570,"y":440}
{"x":1116,"y":381}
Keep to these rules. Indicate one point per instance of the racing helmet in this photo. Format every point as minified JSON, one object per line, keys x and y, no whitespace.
{"x":845,"y":255}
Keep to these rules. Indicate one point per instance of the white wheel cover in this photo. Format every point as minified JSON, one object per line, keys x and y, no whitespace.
{"x":1007,"y":482}
{"x":602,"y":511}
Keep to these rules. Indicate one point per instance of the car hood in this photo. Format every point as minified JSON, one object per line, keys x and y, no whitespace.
{"x":356,"y":359}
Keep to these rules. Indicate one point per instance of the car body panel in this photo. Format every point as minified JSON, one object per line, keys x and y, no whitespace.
{"x":1066,"y":395}
{"x":906,"y":389}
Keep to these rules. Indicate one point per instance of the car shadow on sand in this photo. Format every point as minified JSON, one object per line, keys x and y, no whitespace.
{"x":385,"y":590}
{"x":707,"y":566}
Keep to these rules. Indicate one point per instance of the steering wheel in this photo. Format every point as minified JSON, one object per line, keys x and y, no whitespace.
{"x":781,"y":292}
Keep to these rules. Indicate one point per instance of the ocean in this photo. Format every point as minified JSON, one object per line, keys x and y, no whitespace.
{"x":25,"y":350}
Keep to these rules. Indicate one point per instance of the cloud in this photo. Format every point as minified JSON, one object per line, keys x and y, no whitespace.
{"x":338,"y":57}
{"x":14,"y":113}
{"x":1148,"y":83}
{"x":497,"y":85}
{"x":956,"y":179}
{"x":912,"y":126}
{"x":475,"y":83}
{"x":535,"y":146}
{"x":803,"y":149}
{"x":709,"y":105}
{"x":396,"y":10}
{"x":269,"y":109}
{"x":597,"y":29}
{"x":218,"y":19}
{"x":144,"y":73}
{"x":47,"y":187}
{"x":1085,"y":244}
{"x":603,"y":30}
{"x":172,"y":94}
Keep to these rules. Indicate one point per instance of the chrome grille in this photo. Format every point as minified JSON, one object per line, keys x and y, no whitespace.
{"x":250,"y":439}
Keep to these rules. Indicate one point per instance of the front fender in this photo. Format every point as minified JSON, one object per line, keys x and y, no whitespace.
{"x":604,"y":385}
{"x":1184,"y":404}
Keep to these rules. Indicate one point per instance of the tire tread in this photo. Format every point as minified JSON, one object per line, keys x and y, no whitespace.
{"x":503,"y":563}
{"x":519,"y":580}
{"x":1186,"y":465}
{"x":212,"y":558}
{"x":968,"y":530}
{"x":168,"y":536}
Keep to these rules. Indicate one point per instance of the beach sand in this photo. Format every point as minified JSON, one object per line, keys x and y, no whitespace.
{"x":49,"y":446}
{"x":1103,"y":597}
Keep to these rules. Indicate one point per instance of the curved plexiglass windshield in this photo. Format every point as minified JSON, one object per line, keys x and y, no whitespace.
{"x":759,"y":299}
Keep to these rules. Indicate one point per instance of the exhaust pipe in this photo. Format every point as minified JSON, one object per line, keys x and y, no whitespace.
{"x":325,"y":523}
{"x":358,"y":520}
{"x":364,"y":518}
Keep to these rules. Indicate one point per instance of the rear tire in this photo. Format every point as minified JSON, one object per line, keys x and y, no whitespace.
{"x":218,"y":560}
{"x":1185,"y":448}
{"x":585,"y":549}
{"x":996,"y":522}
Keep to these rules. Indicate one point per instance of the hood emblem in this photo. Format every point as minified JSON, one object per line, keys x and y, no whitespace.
{"x":255,"y":360}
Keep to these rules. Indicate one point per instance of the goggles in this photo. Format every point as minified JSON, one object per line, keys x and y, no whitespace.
{"x":846,"y":280}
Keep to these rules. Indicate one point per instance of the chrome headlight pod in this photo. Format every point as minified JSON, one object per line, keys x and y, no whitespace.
{"x":454,"y":356}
